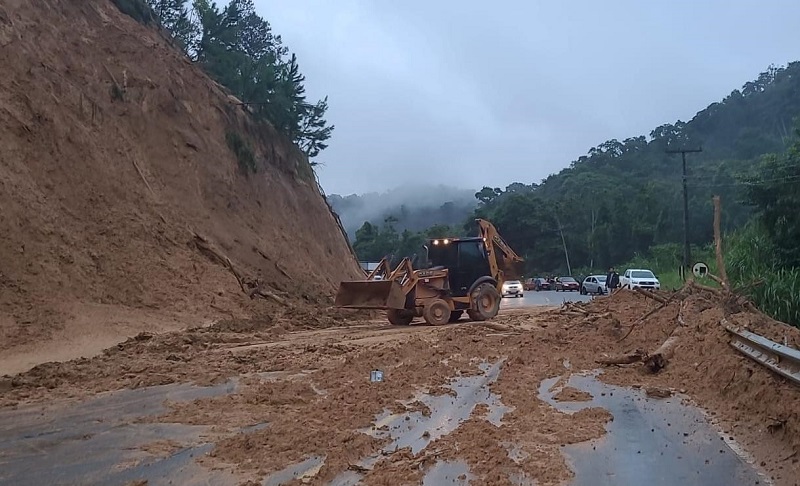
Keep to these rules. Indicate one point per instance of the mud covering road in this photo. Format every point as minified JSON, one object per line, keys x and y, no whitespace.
{"x":517,"y":401}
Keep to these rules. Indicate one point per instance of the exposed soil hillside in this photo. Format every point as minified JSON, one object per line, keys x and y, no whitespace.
{"x":102,"y":195}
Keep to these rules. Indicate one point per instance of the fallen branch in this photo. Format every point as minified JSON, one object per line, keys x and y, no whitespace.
{"x":592,"y":318}
{"x":579,"y":310}
{"x":744,"y":288}
{"x":705,"y":288}
{"x":717,"y":279}
{"x":117,"y":88}
{"x":141,"y":174}
{"x":649,"y":294}
{"x":648,"y":314}
{"x":681,"y":321}
{"x":630,"y":358}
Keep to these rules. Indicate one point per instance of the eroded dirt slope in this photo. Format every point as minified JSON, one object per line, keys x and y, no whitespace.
{"x":101,"y":196}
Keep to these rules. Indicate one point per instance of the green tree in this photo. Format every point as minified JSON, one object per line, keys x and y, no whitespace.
{"x":314,"y":131}
{"x":487,"y":195}
{"x":175,"y":17}
{"x":237,"y":47}
{"x":773,"y":190}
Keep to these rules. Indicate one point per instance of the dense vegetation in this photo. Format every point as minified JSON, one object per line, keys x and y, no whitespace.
{"x":764,"y":256}
{"x":623,"y":198}
{"x":237,"y":48}
{"x":621,"y":204}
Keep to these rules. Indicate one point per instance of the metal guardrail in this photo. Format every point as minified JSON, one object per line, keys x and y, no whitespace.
{"x":781,"y":359}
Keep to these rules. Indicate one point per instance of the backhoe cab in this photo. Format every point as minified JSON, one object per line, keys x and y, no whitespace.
{"x":462,"y":274}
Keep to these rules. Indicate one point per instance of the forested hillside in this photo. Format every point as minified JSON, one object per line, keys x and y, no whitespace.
{"x":624,"y":197}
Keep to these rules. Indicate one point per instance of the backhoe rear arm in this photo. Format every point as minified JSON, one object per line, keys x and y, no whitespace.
{"x":492,"y":240}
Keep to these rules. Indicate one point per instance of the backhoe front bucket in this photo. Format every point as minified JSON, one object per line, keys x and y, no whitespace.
{"x":371,"y":294}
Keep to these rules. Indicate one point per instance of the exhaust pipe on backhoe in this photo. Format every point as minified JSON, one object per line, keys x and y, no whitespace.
{"x":370,"y":294}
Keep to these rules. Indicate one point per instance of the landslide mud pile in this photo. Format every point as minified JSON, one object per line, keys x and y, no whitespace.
{"x":108,"y":198}
{"x":277,"y":364}
{"x":750,"y":402}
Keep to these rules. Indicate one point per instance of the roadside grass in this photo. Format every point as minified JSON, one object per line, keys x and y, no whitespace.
{"x":752,"y":266}
{"x":665,"y":262}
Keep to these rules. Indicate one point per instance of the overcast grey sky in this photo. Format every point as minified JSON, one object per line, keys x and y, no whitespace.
{"x":469,"y":93}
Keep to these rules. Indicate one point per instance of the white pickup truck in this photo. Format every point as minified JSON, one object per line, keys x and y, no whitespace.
{"x":639,"y":278}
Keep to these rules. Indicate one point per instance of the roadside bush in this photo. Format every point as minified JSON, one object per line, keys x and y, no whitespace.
{"x":753,"y":266}
{"x":665,"y":261}
{"x":244,"y":154}
{"x":138,"y":10}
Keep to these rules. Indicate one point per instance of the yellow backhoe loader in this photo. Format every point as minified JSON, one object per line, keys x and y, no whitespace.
{"x":464,"y":274}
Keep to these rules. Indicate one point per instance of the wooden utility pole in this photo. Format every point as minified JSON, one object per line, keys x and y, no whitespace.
{"x":687,"y":257}
{"x":564,"y":243}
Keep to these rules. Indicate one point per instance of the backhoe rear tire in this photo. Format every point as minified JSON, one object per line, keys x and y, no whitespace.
{"x":437,"y":312}
{"x":400,"y":317}
{"x":485,"y":301}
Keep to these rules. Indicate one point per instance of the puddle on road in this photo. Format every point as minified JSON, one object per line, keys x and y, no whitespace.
{"x":305,"y":469}
{"x":447,"y":412}
{"x":650,"y":441}
{"x":99,"y":441}
{"x":416,"y":430}
{"x":448,"y":472}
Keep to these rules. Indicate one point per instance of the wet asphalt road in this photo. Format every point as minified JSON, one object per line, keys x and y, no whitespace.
{"x":545,"y":297}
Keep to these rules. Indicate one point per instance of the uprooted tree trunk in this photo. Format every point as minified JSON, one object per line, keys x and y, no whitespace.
{"x":655,"y":361}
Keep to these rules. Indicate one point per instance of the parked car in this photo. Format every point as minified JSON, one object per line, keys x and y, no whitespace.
{"x":528,"y":284}
{"x":565,"y":284}
{"x":541,"y":284}
{"x":594,"y":284}
{"x":512,"y":287}
{"x":639,"y":278}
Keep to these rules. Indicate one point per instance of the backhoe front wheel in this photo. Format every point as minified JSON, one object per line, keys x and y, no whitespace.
{"x":436,"y":313}
{"x":485,"y":301}
{"x":400,"y":317}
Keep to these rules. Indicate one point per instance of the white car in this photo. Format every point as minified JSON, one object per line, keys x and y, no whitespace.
{"x":639,"y":278}
{"x":512,"y":287}
{"x":594,"y":284}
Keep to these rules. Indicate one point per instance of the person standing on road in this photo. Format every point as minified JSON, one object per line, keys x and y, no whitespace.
{"x":612,"y":279}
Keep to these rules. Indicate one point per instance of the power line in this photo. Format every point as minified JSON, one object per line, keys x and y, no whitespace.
{"x":781,"y":180}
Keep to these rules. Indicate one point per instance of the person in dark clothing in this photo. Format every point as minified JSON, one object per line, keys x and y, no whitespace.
{"x":612,"y":279}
